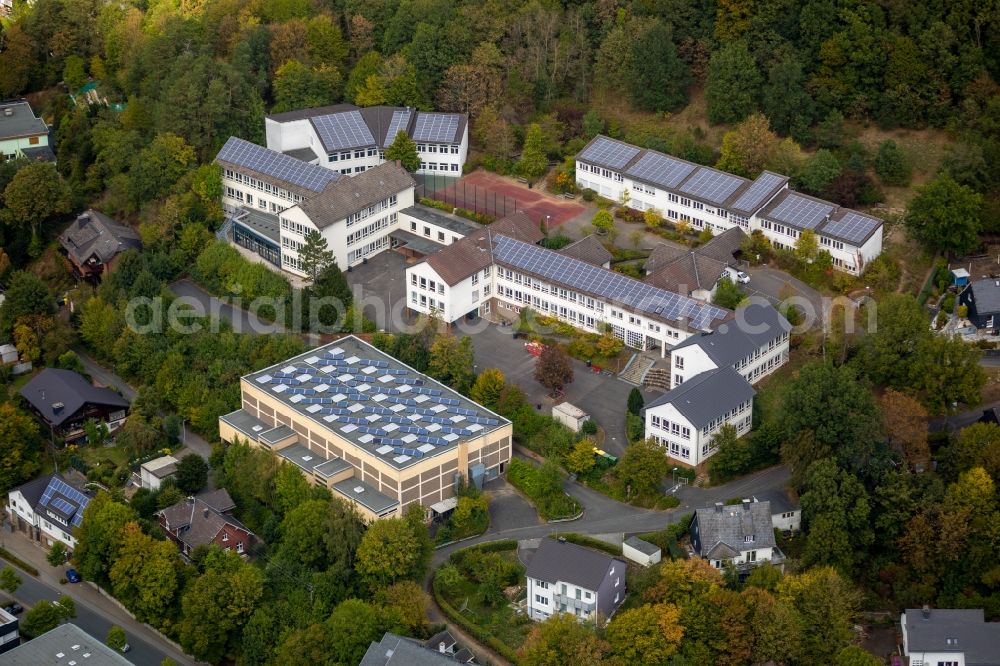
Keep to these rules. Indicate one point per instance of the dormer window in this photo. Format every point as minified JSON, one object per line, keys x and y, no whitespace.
{"x":748,"y":538}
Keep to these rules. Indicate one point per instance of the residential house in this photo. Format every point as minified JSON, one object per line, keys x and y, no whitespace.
{"x":94,"y":241}
{"x":203,"y":520}
{"x":65,"y":400}
{"x":47,"y":509}
{"x":740,"y":535}
{"x":10,"y":636}
{"x":153,"y":473}
{"x":566,"y":578}
{"x":444,"y":643}
{"x":715,"y":200}
{"x":499,"y":270}
{"x":395,"y":650}
{"x":22,"y":133}
{"x":982,"y":298}
{"x":65,"y":645}
{"x":371,"y":429}
{"x":949,"y":637}
{"x":351,"y":140}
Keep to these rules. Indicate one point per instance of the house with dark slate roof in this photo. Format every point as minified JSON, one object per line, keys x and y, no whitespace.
{"x":740,"y":535}
{"x":589,"y":249}
{"x":47,"y":509}
{"x":395,"y":650}
{"x":982,"y":298}
{"x":65,"y":400}
{"x":203,"y":520}
{"x":94,"y":241}
{"x":22,"y":133}
{"x":695,"y":272}
{"x":935,"y":636}
{"x":566,"y":578}
{"x":711,"y":377}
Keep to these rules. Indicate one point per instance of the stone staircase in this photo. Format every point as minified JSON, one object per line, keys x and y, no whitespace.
{"x":636,"y":369}
{"x":657,"y":378}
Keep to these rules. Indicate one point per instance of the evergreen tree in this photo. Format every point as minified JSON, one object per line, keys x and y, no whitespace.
{"x":658,"y":79}
{"x":314,"y":255}
{"x":635,"y":401}
{"x":533,"y":161}
{"x":404,"y":150}
{"x":733,"y":84}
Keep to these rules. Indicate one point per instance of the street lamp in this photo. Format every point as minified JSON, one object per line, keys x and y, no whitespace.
{"x":674,"y":472}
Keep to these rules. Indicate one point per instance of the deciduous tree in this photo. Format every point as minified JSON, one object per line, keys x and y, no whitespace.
{"x":658,"y":79}
{"x":488,"y":387}
{"x":553,"y":369}
{"x":100,"y":536}
{"x":648,"y":634}
{"x":451,"y":362}
{"x":390,"y":551}
{"x":561,"y":640}
{"x":945,"y":216}
{"x":581,"y":459}
{"x":404,"y":149}
{"x":20,"y":434}
{"x":192,"y":473}
{"x":533,"y":161}
{"x":57,"y":554}
{"x":734,"y":83}
{"x":835,"y":515}
{"x":642,"y":468}
{"x":9,"y":580}
{"x":145,"y":575}
{"x":749,"y":147}
{"x":905,"y":423}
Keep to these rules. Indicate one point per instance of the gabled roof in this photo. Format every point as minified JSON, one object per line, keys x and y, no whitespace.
{"x":195,"y":521}
{"x":753,"y":326}
{"x":95,"y":234}
{"x":52,"y":493}
{"x":561,"y":561}
{"x":723,"y":531}
{"x":588,"y":249}
{"x":954,"y":630}
{"x":395,"y":650}
{"x":294,"y":175}
{"x":347,"y":196}
{"x":986,"y":295}
{"x":707,"y":396}
{"x":723,"y":246}
{"x":520,"y":226}
{"x":53,"y":386}
{"x":692,"y":271}
{"x":662,"y":254}
{"x":21,"y":122}
{"x":464,"y":257}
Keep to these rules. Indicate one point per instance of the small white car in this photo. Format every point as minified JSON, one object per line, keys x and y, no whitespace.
{"x":742,"y":277}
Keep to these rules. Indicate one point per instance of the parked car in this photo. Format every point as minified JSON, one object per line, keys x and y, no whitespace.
{"x":14,"y":608}
{"x":742,"y":277}
{"x":126,"y":648}
{"x":72,"y":576}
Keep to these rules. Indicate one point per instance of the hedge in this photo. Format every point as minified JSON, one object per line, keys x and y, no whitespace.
{"x":550,"y":505}
{"x":588,"y":542}
{"x":478,"y":632}
{"x":667,"y":538}
{"x":18,"y":562}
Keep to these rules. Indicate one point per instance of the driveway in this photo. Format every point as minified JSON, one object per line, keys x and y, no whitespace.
{"x":508,"y":510}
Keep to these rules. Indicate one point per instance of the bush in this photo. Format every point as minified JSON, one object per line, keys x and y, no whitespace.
{"x":18,"y":562}
{"x":948,"y":303}
{"x":635,"y":428}
{"x":589,"y":427}
{"x":589,"y":194}
{"x":588,"y":542}
{"x":544,"y":487}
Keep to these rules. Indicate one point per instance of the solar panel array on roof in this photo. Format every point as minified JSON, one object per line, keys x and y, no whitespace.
{"x":608,"y":152}
{"x":661,"y":170}
{"x":55,"y":496}
{"x":343,"y":130}
{"x":754,"y":196}
{"x":604,"y":283}
{"x":711,"y":185}
{"x":370,"y":412}
{"x":248,"y":155}
{"x":438,"y":127}
{"x":801,"y":212}
{"x":852,"y":227}
{"x":400,"y":121}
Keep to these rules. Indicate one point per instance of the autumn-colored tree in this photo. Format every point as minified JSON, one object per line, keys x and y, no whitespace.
{"x":562,"y":640}
{"x":604,"y":223}
{"x":749,"y":147}
{"x":553,"y":370}
{"x":681,"y":580}
{"x":649,"y":634}
{"x":905,"y":422}
{"x":807,"y":245}
{"x":488,"y":387}
{"x":652,"y":218}
{"x":581,"y":459}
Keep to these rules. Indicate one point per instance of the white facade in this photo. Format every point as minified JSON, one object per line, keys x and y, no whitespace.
{"x":351,"y":239}
{"x":154,"y":472}
{"x":513,"y":291}
{"x":240,"y":190}
{"x":676,"y":207}
{"x":692,"y":360}
{"x":684,"y":441}
{"x":570,"y":416}
{"x":545,"y":599}
{"x":640,"y":557}
{"x":787,"y":521}
{"x":52,"y":528}
{"x":443,"y":158}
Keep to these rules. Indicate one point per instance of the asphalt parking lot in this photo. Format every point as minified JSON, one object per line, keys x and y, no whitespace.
{"x":382,"y":284}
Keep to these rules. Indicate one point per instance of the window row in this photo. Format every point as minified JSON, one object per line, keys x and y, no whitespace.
{"x":424,"y":283}
{"x":374,"y":227}
{"x":544,"y":306}
{"x":371,"y":248}
{"x":675,"y":429}
{"x":441,"y":238}
{"x":434,"y":148}
{"x":438,"y":166}
{"x":257,"y":184}
{"x":372,"y":210}
{"x":423,"y":301}
{"x":357,"y":155}
{"x":294,"y":227}
{"x":829,"y":242}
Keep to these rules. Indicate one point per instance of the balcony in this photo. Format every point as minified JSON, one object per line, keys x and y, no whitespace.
{"x":572,"y":604}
